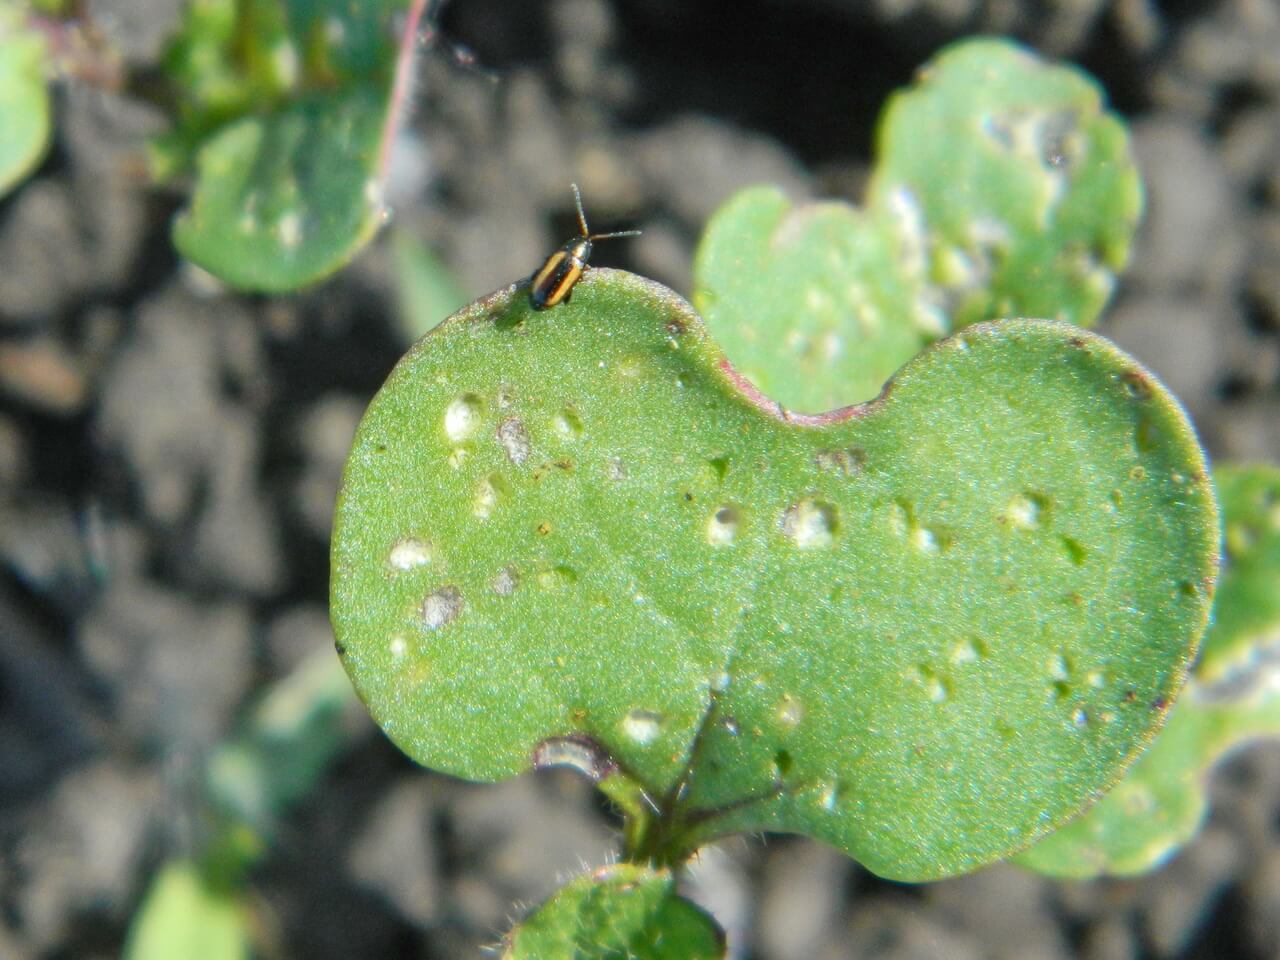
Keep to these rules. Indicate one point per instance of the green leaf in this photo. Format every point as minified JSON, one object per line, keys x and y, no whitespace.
{"x":232,"y":57}
{"x":24,"y":98}
{"x":285,"y":200}
{"x":1014,"y":181}
{"x":426,"y":292}
{"x":1232,"y":698}
{"x":183,"y":916}
{"x":926,"y":630}
{"x":621,"y":912}
{"x":284,"y":108}
{"x":1001,"y":187}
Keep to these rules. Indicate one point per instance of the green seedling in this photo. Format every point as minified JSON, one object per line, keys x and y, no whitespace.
{"x":187,"y":915}
{"x":425,"y":289}
{"x":928,"y":629}
{"x":200,"y":906}
{"x":283,"y":113}
{"x":1001,"y":188}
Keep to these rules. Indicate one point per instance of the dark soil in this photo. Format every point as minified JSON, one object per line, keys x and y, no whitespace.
{"x":169,"y":455}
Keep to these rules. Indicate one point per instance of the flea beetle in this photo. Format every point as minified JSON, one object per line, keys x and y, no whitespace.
{"x":553,"y":282}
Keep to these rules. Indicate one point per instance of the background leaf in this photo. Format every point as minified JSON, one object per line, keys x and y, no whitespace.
{"x":574,"y":523}
{"x":24,"y":98}
{"x":183,"y":916}
{"x":1001,"y":188}
{"x":285,"y":200}
{"x":426,"y":292}
{"x":284,"y":108}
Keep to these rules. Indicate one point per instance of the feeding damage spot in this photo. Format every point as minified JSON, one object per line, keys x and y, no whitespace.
{"x":441,"y":607}
{"x":577,"y":751}
{"x":936,"y":686}
{"x":409,"y":553}
{"x":462,"y":417}
{"x":810,"y":523}
{"x":568,"y":423}
{"x":556,"y":578}
{"x":506,"y":581}
{"x":927,"y":540}
{"x":1049,"y":142}
{"x":846,"y":461}
{"x":722,"y":527}
{"x":615,"y":469}
{"x":790,"y":712}
{"x":514,"y":440}
{"x":1024,"y":511}
{"x":642,"y":726}
{"x":489,"y":491}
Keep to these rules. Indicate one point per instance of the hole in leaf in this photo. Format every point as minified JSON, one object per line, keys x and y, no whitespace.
{"x":810,"y":523}
{"x":441,"y":607}
{"x":514,"y":440}
{"x":722,"y":527}
{"x":1075,"y":551}
{"x":506,"y":581}
{"x":782,"y":764}
{"x":642,"y":726}
{"x":408,"y":553}
{"x":462,"y":417}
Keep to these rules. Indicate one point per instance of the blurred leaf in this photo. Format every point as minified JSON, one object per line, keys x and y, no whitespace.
{"x":1013,"y":181}
{"x":283,"y":110}
{"x":622,"y":912}
{"x":426,"y":291}
{"x":286,"y":744}
{"x":1247,"y":608}
{"x":286,"y":200}
{"x":809,"y":302}
{"x":24,"y":98}
{"x":571,"y":528}
{"x":1001,"y":188}
{"x":183,"y":918}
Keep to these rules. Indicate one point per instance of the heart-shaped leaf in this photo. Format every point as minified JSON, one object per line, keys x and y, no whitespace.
{"x":620,"y":912}
{"x":24,"y":98}
{"x":1001,"y":188}
{"x":1233,"y":697}
{"x":926,"y":630}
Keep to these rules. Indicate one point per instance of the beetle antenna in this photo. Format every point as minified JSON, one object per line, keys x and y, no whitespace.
{"x":586,"y":231}
{"x":610,"y":236}
{"x":582,"y":217}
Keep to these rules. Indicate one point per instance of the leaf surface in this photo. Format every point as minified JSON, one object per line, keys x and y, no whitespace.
{"x":183,"y":916}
